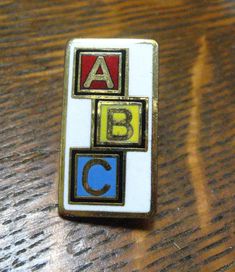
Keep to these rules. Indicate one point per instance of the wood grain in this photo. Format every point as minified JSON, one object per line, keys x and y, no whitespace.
{"x":194,"y":229}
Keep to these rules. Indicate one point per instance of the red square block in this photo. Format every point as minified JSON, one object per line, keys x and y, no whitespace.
{"x":100,"y":73}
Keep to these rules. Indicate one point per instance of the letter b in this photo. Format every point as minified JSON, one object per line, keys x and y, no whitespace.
{"x":120,"y":123}
{"x":119,"y":119}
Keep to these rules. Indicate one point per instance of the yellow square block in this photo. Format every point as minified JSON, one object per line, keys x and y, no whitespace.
{"x":120,"y":122}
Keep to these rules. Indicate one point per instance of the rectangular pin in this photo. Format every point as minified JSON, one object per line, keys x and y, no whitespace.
{"x":108,"y":158}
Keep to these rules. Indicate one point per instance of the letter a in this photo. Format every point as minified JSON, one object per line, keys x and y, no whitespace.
{"x":105,"y":76}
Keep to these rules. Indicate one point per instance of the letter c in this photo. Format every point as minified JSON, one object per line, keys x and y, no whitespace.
{"x":86,"y":169}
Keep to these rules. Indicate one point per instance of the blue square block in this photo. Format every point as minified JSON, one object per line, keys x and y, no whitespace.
{"x":101,"y":174}
{"x":97,"y":177}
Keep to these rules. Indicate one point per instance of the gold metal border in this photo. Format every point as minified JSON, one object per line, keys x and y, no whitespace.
{"x":124,"y":148}
{"x":121,"y":179}
{"x":75,"y":214}
{"x":96,"y":94}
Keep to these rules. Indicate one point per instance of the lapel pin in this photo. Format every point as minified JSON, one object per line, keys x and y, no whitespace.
{"x":108,"y":158}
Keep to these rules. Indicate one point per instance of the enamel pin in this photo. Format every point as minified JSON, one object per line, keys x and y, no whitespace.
{"x":108,"y":160}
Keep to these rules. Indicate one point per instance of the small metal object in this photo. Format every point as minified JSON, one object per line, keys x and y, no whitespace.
{"x":108,"y":160}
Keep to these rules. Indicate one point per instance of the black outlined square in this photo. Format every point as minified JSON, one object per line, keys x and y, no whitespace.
{"x":92,"y":200}
{"x":122,"y":89}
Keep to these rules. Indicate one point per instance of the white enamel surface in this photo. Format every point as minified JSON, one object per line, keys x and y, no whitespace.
{"x":78,"y":127}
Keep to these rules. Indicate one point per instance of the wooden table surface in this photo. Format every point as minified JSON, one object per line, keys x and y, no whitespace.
{"x":194,"y":229}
